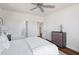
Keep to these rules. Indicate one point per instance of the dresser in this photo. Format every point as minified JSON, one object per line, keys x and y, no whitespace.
{"x":59,"y":38}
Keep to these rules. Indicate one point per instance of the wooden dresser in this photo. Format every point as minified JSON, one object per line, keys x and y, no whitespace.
{"x":59,"y":38}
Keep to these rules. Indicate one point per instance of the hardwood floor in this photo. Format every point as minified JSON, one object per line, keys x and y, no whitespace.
{"x":69,"y":51}
{"x":66,"y":50}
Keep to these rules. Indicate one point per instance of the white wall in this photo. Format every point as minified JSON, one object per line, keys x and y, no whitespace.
{"x":69,"y":18}
{"x":14,"y":22}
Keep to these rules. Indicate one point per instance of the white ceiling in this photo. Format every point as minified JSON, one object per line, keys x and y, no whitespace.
{"x":25,"y":7}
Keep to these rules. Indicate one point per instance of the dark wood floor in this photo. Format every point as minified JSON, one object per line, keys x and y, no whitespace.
{"x":69,"y":51}
{"x":66,"y":50}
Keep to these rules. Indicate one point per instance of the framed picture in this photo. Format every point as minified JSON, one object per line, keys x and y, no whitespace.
{"x":1,"y":21}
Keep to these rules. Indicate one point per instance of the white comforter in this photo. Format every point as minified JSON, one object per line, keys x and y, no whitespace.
{"x":32,"y":45}
{"x":42,"y":47}
{"x":18,"y":47}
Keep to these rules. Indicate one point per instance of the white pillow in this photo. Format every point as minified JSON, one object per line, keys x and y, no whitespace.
{"x":1,"y":46}
{"x":4,"y":43}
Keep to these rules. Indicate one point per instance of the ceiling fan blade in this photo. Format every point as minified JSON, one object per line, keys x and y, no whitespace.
{"x":48,"y":6}
{"x":42,"y":10}
{"x":33,"y":8}
{"x":34,"y":4}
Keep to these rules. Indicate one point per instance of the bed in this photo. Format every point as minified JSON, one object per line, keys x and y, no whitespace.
{"x":40,"y":46}
{"x":30,"y":46}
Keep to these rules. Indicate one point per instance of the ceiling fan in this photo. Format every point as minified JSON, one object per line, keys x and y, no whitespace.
{"x":41,"y":6}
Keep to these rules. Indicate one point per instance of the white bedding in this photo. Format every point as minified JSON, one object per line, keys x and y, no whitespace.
{"x":18,"y":47}
{"x":4,"y":43}
{"x":32,"y":45}
{"x":42,"y":47}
